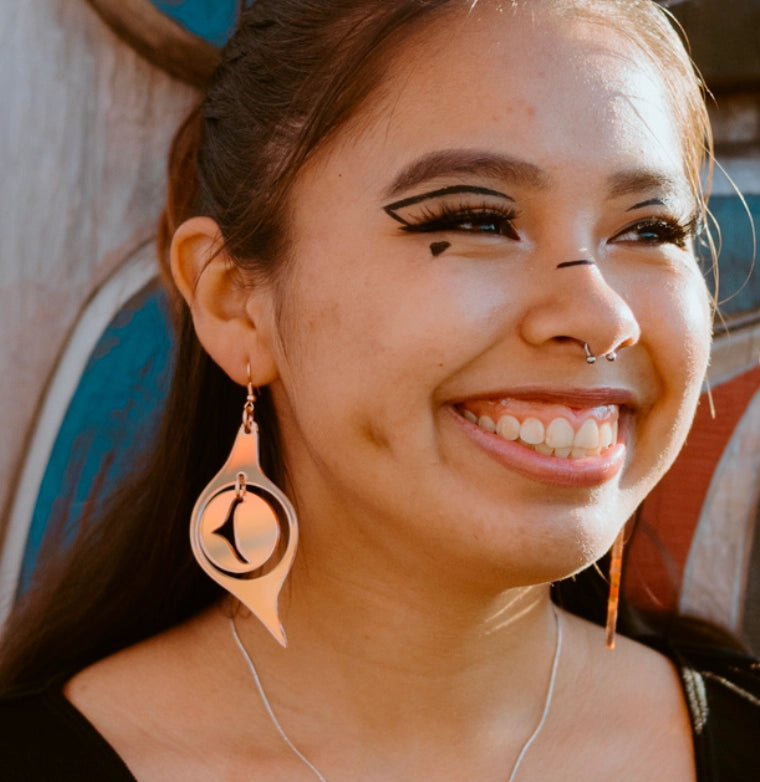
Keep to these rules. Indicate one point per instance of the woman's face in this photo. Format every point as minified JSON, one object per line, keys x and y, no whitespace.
{"x":515,"y":192}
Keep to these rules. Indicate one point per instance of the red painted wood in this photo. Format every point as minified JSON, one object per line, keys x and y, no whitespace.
{"x":659,"y":547}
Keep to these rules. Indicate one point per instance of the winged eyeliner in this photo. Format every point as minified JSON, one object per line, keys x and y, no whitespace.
{"x":390,"y":210}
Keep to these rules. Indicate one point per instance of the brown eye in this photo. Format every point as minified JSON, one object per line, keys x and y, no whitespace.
{"x":657,"y":231}
{"x":469,"y":221}
{"x":461,"y":208}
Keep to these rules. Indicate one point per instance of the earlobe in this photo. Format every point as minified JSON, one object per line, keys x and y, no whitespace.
{"x":230,"y":317}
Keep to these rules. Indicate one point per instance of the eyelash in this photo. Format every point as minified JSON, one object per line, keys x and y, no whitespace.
{"x":666,"y":230}
{"x":485,"y":219}
{"x":490,"y":220}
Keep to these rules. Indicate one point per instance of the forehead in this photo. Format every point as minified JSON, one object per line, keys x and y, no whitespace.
{"x":528,"y":84}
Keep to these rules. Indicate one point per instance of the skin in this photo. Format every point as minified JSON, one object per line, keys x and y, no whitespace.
{"x":420,"y":587}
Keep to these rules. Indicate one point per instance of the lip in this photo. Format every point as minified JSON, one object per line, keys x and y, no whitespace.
{"x":571,"y":397}
{"x":552,"y":470}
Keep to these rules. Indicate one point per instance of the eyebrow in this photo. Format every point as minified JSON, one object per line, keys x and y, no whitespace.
{"x":510,"y":170}
{"x":635,"y":181}
{"x":455,"y":162}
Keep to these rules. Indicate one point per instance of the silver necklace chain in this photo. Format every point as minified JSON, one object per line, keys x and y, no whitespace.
{"x":268,"y":705}
{"x":547,"y":699}
{"x":297,"y":752}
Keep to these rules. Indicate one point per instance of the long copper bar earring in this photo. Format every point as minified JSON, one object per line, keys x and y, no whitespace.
{"x":244,"y":530}
{"x":616,"y":568}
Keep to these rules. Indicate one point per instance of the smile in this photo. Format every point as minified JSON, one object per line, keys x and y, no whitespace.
{"x":579,"y":440}
{"x":548,"y":429}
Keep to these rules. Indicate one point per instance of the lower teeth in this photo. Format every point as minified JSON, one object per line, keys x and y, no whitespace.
{"x":563,"y":453}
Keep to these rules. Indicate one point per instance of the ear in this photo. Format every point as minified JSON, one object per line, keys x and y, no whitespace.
{"x":234,"y":321}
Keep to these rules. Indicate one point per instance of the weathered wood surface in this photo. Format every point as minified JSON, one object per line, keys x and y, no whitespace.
{"x":85,"y":127}
{"x":715,"y":580}
{"x":39,"y":460}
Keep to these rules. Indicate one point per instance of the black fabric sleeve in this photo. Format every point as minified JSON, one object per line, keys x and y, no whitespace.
{"x":722,"y":690}
{"x":43,"y":738}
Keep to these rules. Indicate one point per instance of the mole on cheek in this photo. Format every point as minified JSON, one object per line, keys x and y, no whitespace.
{"x":438,"y":247}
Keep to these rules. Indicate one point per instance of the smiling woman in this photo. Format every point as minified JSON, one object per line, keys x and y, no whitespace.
{"x":412,"y":231}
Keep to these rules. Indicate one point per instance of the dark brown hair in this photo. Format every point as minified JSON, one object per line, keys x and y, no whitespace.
{"x":291,"y":76}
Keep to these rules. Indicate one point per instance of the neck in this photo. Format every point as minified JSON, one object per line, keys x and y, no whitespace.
{"x":377,"y":650}
{"x":379,"y":677}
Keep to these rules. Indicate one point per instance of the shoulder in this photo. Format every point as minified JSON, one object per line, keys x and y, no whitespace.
{"x":45,"y":737}
{"x":721,"y":684}
{"x":722,"y":689}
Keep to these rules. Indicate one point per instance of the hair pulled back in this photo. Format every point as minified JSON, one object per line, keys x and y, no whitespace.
{"x":292,"y":75}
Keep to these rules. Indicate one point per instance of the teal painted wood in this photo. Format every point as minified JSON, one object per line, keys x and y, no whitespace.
{"x":108,"y":425}
{"x":739,"y":283}
{"x":212,"y":20}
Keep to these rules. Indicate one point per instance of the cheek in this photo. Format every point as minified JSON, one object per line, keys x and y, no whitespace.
{"x":687,"y":323}
{"x":678,"y":339}
{"x":440,"y":319}
{"x":672,"y":306}
{"x":403,"y":314}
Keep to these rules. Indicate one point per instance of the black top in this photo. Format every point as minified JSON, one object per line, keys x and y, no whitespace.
{"x":43,"y":738}
{"x":722,"y":689}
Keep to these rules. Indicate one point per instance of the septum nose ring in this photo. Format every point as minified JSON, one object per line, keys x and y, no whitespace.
{"x":591,"y":358}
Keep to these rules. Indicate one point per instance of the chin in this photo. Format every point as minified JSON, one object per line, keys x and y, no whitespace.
{"x":545,"y":548}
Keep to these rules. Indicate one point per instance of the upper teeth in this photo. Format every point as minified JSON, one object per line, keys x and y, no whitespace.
{"x":557,"y":438}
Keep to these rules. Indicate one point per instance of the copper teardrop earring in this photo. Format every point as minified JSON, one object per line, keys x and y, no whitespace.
{"x":244,"y":530}
{"x":613,"y":599}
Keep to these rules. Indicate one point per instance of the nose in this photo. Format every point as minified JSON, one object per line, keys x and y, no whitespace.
{"x":580,"y":312}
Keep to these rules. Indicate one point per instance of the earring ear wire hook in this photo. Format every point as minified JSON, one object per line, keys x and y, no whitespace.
{"x":248,"y":420}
